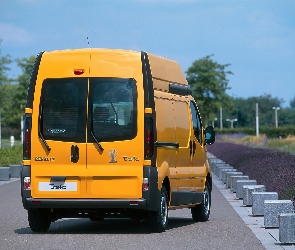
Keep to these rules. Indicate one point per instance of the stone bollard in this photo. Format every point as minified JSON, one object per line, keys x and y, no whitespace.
{"x":215,"y":163}
{"x":233,"y":181}
{"x":15,"y":170}
{"x":219,"y":165}
{"x":258,"y":199}
{"x":11,"y":141}
{"x":219,"y":171}
{"x":241,"y":184}
{"x":248,"y":190}
{"x":229,"y":174}
{"x":287,"y":228}
{"x":224,"y":171}
{"x":272,"y":209}
{"x":211,"y":156}
{"x":4,"y":173}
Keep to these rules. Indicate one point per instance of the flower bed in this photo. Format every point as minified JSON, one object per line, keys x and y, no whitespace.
{"x":275,"y":170}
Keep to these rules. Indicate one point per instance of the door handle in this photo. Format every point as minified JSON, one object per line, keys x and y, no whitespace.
{"x":74,"y":154}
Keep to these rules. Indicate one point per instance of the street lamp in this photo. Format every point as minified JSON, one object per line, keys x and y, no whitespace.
{"x":232,"y":121}
{"x":276,"y":115}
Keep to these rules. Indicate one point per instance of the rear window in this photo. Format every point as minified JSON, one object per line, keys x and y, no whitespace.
{"x":112,"y":109}
{"x":63,"y":109}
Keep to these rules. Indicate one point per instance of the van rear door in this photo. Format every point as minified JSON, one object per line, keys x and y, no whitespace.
{"x":114,"y":151}
{"x":58,"y":162}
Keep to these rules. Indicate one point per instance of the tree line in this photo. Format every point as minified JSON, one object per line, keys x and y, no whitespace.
{"x":208,"y":82}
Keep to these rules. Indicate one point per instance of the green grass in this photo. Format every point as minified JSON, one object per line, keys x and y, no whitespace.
{"x":11,"y":155}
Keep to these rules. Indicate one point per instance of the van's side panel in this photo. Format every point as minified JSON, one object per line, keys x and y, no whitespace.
{"x":165,"y":126}
{"x":199,"y":169}
{"x":167,"y":70}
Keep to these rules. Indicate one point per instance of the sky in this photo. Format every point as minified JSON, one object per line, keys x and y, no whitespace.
{"x":256,"y":37}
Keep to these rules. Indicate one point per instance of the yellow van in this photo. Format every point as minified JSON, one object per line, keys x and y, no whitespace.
{"x":112,"y":133}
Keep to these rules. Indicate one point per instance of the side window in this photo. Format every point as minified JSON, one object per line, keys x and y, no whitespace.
{"x":197,"y":125}
{"x":63,"y":109}
{"x":112,"y":108}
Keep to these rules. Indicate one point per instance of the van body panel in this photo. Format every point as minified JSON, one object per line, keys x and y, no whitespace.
{"x":121,"y":178}
{"x":117,"y":171}
{"x":96,"y":177}
{"x":167,"y":70}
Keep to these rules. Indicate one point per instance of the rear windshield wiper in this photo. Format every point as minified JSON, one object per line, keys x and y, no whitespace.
{"x":94,"y":137}
{"x":39,"y":129}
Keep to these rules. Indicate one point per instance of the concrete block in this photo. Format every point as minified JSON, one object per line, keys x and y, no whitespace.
{"x":211,"y":156}
{"x":214,"y":163}
{"x":248,"y":190}
{"x":287,"y":228}
{"x":272,"y":209}
{"x":218,"y":166}
{"x":258,"y":199}
{"x":224,"y":171}
{"x":241,"y":184}
{"x":233,"y":181}
{"x":4,"y":173}
{"x":15,"y":170}
{"x":219,"y":172}
{"x":218,"y":163}
{"x":228,"y":175}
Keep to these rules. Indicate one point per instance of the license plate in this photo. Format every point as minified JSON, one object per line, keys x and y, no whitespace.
{"x":58,"y":186}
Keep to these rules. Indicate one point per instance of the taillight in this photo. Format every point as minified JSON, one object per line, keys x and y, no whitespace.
{"x":27,"y":183}
{"x":27,"y":140}
{"x":145,"y":184}
{"x":149,"y":138}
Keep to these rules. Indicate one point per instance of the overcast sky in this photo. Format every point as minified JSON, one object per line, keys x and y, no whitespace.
{"x":256,"y":37}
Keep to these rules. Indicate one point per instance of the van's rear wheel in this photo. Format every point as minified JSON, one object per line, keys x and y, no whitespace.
{"x":39,"y":220}
{"x":201,"y":212}
{"x":158,"y":220}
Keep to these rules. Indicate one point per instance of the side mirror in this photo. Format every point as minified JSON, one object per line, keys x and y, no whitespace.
{"x":209,"y":135}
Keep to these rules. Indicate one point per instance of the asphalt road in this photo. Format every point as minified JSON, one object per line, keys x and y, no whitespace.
{"x":224,"y":230}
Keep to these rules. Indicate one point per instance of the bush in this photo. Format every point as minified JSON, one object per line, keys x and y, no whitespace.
{"x":11,"y":155}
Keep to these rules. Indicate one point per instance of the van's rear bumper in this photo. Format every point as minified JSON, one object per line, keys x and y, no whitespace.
{"x":86,"y":203}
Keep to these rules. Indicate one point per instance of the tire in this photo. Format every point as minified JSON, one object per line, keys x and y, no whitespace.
{"x":201,"y":213}
{"x":39,"y":220}
{"x":158,"y":220}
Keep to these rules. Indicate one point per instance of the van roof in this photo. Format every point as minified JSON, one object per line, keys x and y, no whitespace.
{"x":161,"y":68}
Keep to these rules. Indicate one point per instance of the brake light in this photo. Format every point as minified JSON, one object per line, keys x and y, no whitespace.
{"x":145,"y":184}
{"x":27,"y":183}
{"x":78,"y":72}
{"x":149,"y":143}
{"x":149,"y":138}
{"x":27,"y":141}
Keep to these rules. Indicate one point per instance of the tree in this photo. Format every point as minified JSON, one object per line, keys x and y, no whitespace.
{"x":4,"y":61}
{"x":208,"y":82}
{"x":16,"y":109}
{"x":292,"y":103}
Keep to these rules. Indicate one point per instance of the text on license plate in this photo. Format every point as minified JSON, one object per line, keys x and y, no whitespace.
{"x":57,"y":186}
